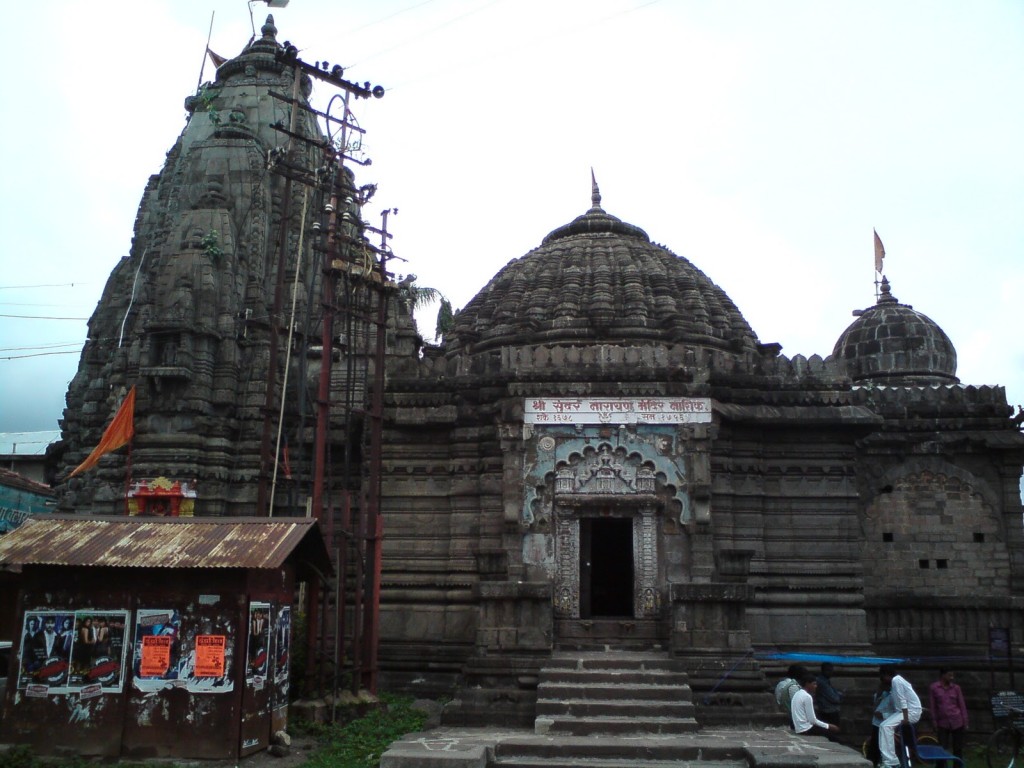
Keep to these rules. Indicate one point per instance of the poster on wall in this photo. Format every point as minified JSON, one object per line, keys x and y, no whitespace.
{"x":157,"y":657}
{"x":172,"y":651}
{"x":46,"y":640}
{"x":258,"y":655}
{"x":210,"y":656}
{"x":72,"y":651}
{"x":98,"y":651}
{"x":282,"y":655}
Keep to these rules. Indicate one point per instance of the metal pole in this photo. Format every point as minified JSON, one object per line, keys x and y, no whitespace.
{"x":374,"y":526}
{"x":262,"y":504}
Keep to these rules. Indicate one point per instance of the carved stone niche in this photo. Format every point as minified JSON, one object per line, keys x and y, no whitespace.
{"x":607,"y":482}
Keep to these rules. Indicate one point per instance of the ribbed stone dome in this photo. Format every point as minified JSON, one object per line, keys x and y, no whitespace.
{"x":892,"y":343}
{"x":599,"y":279}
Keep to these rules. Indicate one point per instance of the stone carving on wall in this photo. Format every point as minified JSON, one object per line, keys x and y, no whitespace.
{"x":567,"y":557}
{"x":604,"y":472}
{"x":570,"y":464}
{"x":647,"y":597}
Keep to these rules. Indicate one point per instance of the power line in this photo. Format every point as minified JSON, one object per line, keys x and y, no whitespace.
{"x":31,"y":304}
{"x":385,"y":18}
{"x":48,"y":285}
{"x":40,"y":354}
{"x":574,"y":29}
{"x":43,"y":317}
{"x":427,"y":33}
{"x":42,"y":346}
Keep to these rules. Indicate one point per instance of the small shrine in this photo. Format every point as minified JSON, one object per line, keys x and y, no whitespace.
{"x":161,"y":497}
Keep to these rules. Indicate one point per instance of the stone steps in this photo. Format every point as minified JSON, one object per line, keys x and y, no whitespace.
{"x":584,"y":762}
{"x":613,"y":692}
{"x":610,"y":752}
{"x":708,"y":748}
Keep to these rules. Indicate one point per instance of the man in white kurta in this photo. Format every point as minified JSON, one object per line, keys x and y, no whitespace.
{"x":908,"y":710}
{"x":802,"y":710}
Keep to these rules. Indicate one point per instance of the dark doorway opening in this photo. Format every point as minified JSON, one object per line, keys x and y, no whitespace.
{"x":606,"y":567}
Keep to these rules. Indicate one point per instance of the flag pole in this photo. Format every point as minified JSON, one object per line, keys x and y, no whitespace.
{"x":128,"y":476}
{"x":879,"y":258}
{"x":209,"y":36}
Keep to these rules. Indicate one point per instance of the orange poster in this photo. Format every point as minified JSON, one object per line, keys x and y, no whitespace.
{"x":156,"y":655}
{"x":210,"y":655}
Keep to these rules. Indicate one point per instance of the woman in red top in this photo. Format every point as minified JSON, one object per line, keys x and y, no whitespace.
{"x":949,"y":712}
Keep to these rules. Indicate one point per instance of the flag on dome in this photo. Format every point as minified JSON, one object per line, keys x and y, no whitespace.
{"x":879,"y":252}
{"x":217,"y":59}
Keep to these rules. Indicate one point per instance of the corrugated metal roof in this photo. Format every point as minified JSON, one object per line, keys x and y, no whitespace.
{"x":150,"y":542}
{"x":11,"y":479}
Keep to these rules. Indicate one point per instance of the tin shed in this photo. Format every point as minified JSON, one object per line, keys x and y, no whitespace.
{"x":155,"y":637}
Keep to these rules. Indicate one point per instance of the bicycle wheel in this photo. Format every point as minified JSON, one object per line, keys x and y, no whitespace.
{"x":1003,"y":748}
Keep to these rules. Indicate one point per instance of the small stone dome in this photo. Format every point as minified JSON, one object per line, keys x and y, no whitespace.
{"x":893,"y":344}
{"x":599,"y":279}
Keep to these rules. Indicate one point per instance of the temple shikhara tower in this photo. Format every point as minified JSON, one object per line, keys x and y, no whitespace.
{"x":600,"y":454}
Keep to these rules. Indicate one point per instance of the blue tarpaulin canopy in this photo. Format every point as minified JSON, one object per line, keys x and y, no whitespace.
{"x":873,"y":661}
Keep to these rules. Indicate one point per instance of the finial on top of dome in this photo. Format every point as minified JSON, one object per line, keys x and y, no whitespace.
{"x":886,"y":297}
{"x":595,"y":193}
{"x":268,"y":29}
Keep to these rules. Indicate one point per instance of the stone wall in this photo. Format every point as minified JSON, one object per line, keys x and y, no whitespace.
{"x":932,"y":536}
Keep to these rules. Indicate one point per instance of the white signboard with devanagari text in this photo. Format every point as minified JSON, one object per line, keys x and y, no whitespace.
{"x":617,"y":410}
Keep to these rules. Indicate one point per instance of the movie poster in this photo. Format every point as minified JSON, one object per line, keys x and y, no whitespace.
{"x":72,"y":651}
{"x":98,"y":651}
{"x":282,"y":655}
{"x":45,"y":653}
{"x":258,"y":657}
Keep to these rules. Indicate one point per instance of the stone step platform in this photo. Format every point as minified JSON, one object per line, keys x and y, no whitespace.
{"x":617,"y":660}
{"x":709,"y":748}
{"x":602,"y":634}
{"x":624,"y":725}
{"x":610,"y":762}
{"x":597,"y":690}
{"x":612,"y":677}
{"x":613,"y":692}
{"x":634,"y":747}
{"x":617,"y":707}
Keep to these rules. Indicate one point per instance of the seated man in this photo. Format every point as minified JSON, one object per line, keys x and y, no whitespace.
{"x":802,"y":710}
{"x":908,"y":712}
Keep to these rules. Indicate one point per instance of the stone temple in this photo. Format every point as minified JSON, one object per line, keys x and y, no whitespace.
{"x":601,"y":454}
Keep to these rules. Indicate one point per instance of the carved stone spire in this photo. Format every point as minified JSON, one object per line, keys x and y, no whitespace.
{"x":268,"y":29}
{"x":595,"y":193}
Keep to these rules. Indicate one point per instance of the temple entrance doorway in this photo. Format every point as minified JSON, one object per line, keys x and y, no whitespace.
{"x":606,"y":567}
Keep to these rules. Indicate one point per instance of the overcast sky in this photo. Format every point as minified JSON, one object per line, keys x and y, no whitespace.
{"x":761,"y":140}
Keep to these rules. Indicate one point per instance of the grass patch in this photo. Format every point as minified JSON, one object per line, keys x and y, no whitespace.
{"x":360,"y":743}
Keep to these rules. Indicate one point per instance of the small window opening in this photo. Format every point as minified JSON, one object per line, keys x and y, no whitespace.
{"x":943,"y":563}
{"x":923,"y":564}
{"x":887,"y":536}
{"x":979,"y":538}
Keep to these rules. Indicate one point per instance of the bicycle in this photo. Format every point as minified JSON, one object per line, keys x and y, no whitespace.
{"x":1006,"y":745}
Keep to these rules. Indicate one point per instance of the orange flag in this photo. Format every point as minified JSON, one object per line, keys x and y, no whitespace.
{"x":879,"y":253}
{"x":215,"y":58}
{"x":120,"y":431}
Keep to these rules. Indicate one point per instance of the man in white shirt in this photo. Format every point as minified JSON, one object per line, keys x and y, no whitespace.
{"x":802,"y":709}
{"x":908,"y":712}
